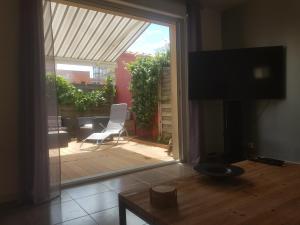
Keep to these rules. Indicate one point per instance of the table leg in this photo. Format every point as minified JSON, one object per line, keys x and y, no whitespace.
{"x":122,"y":213}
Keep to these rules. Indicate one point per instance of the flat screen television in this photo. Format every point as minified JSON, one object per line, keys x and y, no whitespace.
{"x":249,"y":73}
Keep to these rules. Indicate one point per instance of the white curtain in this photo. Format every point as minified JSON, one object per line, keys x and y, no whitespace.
{"x":195,"y":110}
{"x":40,"y":164}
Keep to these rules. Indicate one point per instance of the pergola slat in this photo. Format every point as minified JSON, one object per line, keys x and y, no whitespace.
{"x":87,"y":42}
{"x":67,"y":32}
{"x":91,"y":35}
{"x":75,"y":34}
{"x":131,"y":41}
{"x":83,"y":35}
{"x":102,"y":48}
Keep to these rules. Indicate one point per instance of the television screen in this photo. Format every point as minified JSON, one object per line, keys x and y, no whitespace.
{"x":251,"y":73}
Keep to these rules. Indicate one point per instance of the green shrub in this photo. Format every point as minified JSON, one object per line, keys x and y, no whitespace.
{"x":145,"y":74}
{"x":68,"y":94}
{"x":109,"y":90}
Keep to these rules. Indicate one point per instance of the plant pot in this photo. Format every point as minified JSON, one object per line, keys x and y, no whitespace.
{"x":149,"y":133}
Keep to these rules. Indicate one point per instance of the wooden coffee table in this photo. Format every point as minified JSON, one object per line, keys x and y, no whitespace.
{"x":263,"y":195}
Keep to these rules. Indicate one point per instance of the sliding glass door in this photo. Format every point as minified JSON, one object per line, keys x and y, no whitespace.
{"x":51,"y":104}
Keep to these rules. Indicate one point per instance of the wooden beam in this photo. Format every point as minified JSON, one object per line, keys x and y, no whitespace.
{"x":72,"y":61}
{"x":174,"y":92}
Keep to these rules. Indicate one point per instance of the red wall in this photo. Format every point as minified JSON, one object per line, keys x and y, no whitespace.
{"x":123,"y":78}
{"x":123,"y":94}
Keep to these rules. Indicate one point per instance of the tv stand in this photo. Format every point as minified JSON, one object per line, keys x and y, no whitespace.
{"x":233,"y":131}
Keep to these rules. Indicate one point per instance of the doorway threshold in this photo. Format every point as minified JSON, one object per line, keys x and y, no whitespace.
{"x":107,"y":175}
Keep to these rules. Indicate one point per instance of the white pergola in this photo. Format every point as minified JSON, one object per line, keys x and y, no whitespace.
{"x":89,"y":36}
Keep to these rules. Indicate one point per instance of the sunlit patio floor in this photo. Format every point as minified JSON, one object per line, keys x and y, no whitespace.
{"x":110,"y":157}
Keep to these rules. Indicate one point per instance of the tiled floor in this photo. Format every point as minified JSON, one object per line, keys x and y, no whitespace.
{"x":95,"y":203}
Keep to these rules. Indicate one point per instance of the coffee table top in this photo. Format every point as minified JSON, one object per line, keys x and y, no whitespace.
{"x":263,"y":195}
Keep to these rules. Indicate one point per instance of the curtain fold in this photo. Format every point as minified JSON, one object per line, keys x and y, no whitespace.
{"x":35,"y":162}
{"x":195,"y":111}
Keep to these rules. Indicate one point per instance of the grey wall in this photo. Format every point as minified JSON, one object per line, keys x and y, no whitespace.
{"x":172,"y":6}
{"x":168,"y":7}
{"x":266,"y":23}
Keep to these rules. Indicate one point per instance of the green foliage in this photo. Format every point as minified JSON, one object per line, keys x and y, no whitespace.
{"x":85,"y":100}
{"x":68,"y":94}
{"x":145,"y":74}
{"x":65,"y":91}
{"x":109,"y":90}
{"x":163,"y":58}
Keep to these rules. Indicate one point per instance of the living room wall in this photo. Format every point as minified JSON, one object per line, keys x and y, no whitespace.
{"x":260,"y":23}
{"x":212,"y":109}
{"x":9,"y":100}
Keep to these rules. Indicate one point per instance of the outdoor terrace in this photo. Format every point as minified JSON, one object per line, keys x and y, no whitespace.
{"x":109,"y":157}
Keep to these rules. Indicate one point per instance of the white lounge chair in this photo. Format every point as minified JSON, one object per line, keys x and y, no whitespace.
{"x":115,"y":126}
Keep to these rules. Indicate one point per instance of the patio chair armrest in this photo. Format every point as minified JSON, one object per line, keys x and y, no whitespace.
{"x":101,"y":125}
{"x":122,"y":125}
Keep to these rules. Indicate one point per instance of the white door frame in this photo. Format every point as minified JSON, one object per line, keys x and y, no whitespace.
{"x":166,"y":18}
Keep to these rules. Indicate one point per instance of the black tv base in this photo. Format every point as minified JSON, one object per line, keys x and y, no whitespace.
{"x":233,"y":116}
{"x":269,"y":161}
